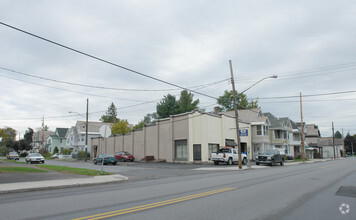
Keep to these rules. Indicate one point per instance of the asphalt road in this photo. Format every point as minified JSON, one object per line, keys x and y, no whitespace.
{"x":306,"y":191}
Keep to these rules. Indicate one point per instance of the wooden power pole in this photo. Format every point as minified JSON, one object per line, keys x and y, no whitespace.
{"x":236,"y":116}
{"x":302,"y":126}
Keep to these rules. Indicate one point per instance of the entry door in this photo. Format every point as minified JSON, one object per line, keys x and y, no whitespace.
{"x":197,"y":152}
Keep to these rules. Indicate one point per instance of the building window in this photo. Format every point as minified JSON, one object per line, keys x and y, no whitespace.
{"x":296,"y":137}
{"x":259,"y":129}
{"x":265,"y":129}
{"x":277,"y":134}
{"x":212,"y":148}
{"x":180,"y":150}
{"x":60,"y":140}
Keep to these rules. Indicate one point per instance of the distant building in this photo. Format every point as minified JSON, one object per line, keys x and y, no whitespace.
{"x":37,"y":140}
{"x":76,"y":135}
{"x":58,"y":139}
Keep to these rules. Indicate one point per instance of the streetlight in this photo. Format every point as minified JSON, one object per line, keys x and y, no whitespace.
{"x":86,"y":130}
{"x":236,"y":112}
{"x":273,"y":77}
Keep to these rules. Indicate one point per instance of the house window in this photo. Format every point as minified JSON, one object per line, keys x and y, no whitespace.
{"x":259,"y":129}
{"x":212,"y":148}
{"x":265,"y":130}
{"x":60,"y":140}
{"x":296,"y":137}
{"x":180,"y":150}
{"x":277,"y":134}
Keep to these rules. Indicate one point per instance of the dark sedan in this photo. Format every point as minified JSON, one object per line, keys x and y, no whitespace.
{"x":270,"y":157}
{"x":106,"y":158}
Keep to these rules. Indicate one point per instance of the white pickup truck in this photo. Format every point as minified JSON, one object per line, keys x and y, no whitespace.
{"x":227,"y":155}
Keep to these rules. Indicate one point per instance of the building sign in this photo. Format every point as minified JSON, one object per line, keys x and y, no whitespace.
{"x":243,"y":132}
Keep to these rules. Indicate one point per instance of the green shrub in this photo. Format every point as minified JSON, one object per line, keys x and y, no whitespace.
{"x":56,"y":150}
{"x":66,"y":151}
{"x":47,"y":155}
{"x":81,"y":155}
{"x":23,"y":154}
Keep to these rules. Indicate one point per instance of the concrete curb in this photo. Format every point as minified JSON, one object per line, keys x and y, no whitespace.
{"x":59,"y":184}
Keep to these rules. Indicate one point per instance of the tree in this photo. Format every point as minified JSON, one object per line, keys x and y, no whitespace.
{"x":338,"y":135}
{"x":167,"y":106}
{"x":28,"y":136}
{"x":140,"y":125}
{"x":24,"y":145}
{"x":226,"y":101}
{"x":170,"y":106}
{"x":120,"y":127}
{"x":7,"y":133}
{"x":111,"y":114}
{"x":350,"y":141}
{"x":186,"y":103}
{"x":148,"y":119}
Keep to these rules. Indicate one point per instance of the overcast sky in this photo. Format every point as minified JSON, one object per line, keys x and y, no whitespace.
{"x":310,"y":45}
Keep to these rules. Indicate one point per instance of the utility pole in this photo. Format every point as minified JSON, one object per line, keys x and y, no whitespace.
{"x":302,"y":125}
{"x":42,"y":134}
{"x":352,"y":149}
{"x":86,"y":132}
{"x":236,"y":116}
{"x":333,"y":139}
{"x":343,"y":143}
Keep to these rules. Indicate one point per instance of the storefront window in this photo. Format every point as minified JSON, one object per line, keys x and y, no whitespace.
{"x":181,"y":150}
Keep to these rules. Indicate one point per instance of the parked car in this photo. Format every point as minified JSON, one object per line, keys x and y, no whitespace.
{"x":54,"y":156}
{"x":289,"y":157}
{"x":35,"y":158}
{"x":107,"y":158}
{"x":227,"y":155}
{"x":12,"y":156}
{"x":124,"y":156}
{"x":270,"y":157}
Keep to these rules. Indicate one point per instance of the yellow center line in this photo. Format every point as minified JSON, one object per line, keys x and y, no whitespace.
{"x":154,"y":205}
{"x":330,"y":165}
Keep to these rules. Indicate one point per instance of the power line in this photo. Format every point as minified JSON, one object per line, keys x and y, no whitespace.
{"x":67,"y":90}
{"x":345,"y":66}
{"x":108,"y":88}
{"x":105,"y":61}
{"x":311,"y":95}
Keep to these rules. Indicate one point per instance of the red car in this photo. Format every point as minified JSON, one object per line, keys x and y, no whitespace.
{"x":124,"y":156}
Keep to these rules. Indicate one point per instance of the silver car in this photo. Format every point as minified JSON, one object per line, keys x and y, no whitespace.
{"x":35,"y":158}
{"x":13,"y":156}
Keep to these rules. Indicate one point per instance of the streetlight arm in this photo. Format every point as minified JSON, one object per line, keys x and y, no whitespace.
{"x":274,"y":76}
{"x":70,"y":112}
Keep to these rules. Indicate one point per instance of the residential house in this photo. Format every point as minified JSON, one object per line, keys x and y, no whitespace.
{"x":294,"y":146}
{"x":58,"y":139}
{"x":76,"y":135}
{"x":279,"y":132}
{"x":312,"y":137}
{"x":327,"y":147}
{"x":259,"y":129}
{"x":38,"y":138}
{"x":188,"y":137}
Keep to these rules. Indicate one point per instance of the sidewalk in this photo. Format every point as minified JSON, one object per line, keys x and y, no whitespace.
{"x":56,"y":184}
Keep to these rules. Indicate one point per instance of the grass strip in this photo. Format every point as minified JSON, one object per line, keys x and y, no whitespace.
{"x":21,"y":170}
{"x":13,"y":161}
{"x":71,"y":170}
{"x":300,"y":160}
